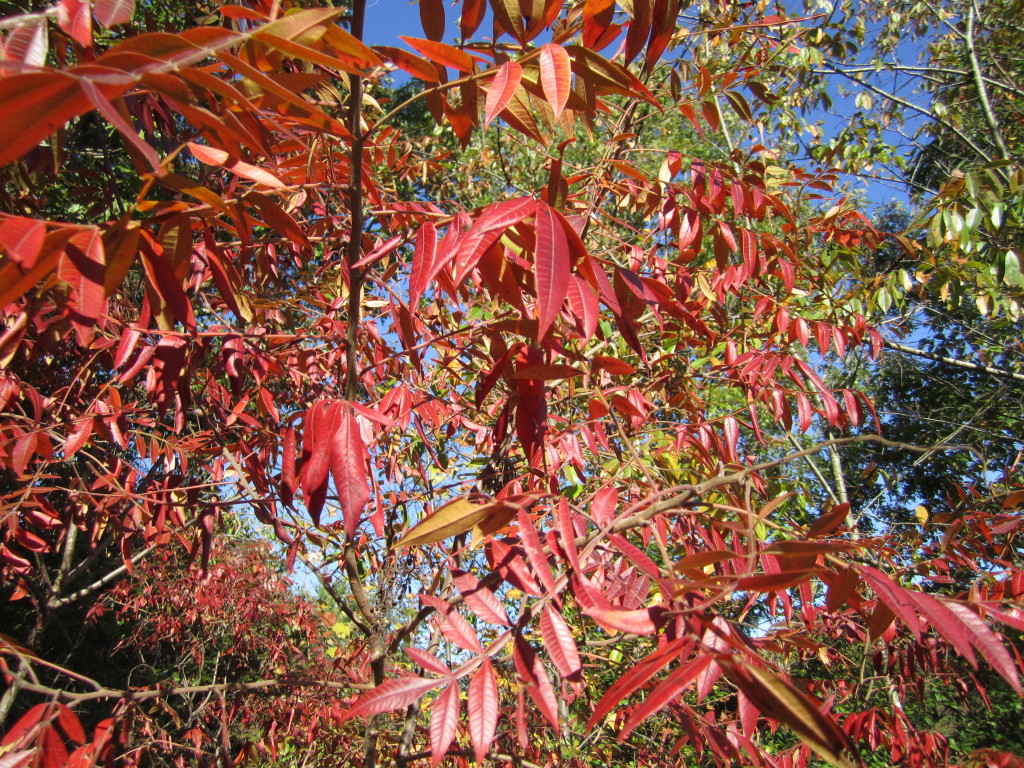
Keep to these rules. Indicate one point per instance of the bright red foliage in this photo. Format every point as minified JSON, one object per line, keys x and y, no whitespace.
{"x":519,"y":442}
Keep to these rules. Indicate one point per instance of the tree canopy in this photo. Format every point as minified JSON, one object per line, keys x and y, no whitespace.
{"x":538,"y":391}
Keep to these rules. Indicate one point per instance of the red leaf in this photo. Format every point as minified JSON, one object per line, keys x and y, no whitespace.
{"x":635,"y":677}
{"x":502,"y":88}
{"x":319,"y":425}
{"x":560,"y":644}
{"x":666,"y":690}
{"x":637,"y":622}
{"x":110,"y":13}
{"x":829,"y":521}
{"x":288,"y":483}
{"x":432,"y":18}
{"x":82,"y":268}
{"x":732,"y":435}
{"x":602,"y":508}
{"x":472,"y":14}
{"x":482,"y":705}
{"x":551,"y":268}
{"x":392,"y":695}
{"x":428,"y":662}
{"x":456,"y":629}
{"x":945,"y":623}
{"x":77,"y":436}
{"x":444,"y":719}
{"x":584,"y":305}
{"x":568,"y":532}
{"x":546,"y":372}
{"x":70,"y":724}
{"x":27,"y":42}
{"x":410,"y":63}
{"x":22,"y":240}
{"x":531,"y":670}
{"x":895,"y":597}
{"x":27,"y":722}
{"x":425,"y":264}
{"x":493,"y":221}
{"x":535,"y":551}
{"x":481,"y":600}
{"x":348,"y":467}
{"x":613,"y":365}
{"x":988,"y":644}
{"x":34,"y":106}
{"x":804,"y":411}
{"x":555,"y":76}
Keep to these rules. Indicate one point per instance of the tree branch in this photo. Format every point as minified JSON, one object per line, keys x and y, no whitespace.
{"x":979,"y":84}
{"x":955,"y":362}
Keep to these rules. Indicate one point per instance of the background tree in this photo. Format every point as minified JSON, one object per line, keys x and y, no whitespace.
{"x":532,"y":435}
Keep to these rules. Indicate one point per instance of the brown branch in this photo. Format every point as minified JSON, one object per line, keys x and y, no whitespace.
{"x":163,"y":692}
{"x":955,"y":362}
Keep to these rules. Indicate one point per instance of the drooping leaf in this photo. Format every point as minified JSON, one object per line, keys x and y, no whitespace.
{"x":501,"y":90}
{"x":780,"y":700}
{"x":551,"y":269}
{"x":560,"y":644}
{"x":555,"y":76}
{"x":636,"y":676}
{"x":444,"y":720}
{"x":482,"y":705}
{"x":432,"y":19}
{"x":348,"y":466}
{"x":472,"y":14}
{"x":75,"y":17}
{"x":35,"y":105}
{"x":535,"y":551}
{"x":894,"y":596}
{"x":538,"y":685}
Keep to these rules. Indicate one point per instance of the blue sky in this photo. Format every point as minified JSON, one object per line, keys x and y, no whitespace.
{"x":387,"y":19}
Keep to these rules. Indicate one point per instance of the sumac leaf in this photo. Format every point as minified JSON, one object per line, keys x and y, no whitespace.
{"x":551,"y":268}
{"x":444,"y":720}
{"x":482,"y":705}
{"x":392,"y":695}
{"x":501,"y":90}
{"x":560,"y":644}
{"x":555,"y":76}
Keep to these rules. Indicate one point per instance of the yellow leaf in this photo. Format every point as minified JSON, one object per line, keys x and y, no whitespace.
{"x":458,"y":517}
{"x":921,"y":513}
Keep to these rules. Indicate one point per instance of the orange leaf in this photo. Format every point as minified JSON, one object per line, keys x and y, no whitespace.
{"x":442,"y":53}
{"x":219,"y":157}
